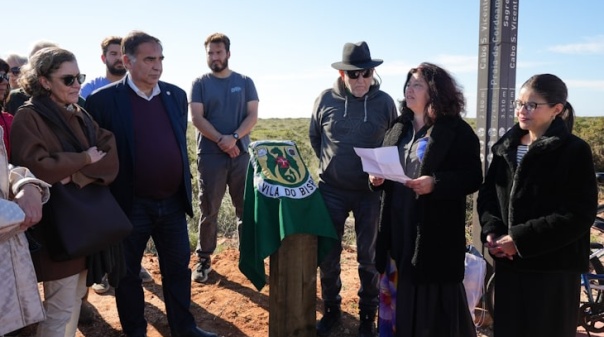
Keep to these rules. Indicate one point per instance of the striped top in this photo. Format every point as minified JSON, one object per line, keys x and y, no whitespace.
{"x":522,"y":149}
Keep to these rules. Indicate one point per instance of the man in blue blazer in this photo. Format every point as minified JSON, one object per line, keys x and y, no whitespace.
{"x":153,"y":186}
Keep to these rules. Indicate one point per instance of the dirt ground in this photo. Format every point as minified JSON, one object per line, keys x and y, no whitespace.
{"x":227,"y":304}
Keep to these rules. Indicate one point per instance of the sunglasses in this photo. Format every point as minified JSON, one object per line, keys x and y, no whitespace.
{"x":69,"y":80}
{"x":3,"y":77}
{"x":354,"y":74}
{"x":15,"y":70}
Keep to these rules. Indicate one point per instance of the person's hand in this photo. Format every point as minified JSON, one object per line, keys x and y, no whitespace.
{"x":228,"y":144}
{"x":29,"y":199}
{"x":95,"y":154}
{"x":376,"y":181}
{"x":422,"y":185}
{"x":233,"y":152}
{"x":507,"y":246}
{"x":502,"y":247}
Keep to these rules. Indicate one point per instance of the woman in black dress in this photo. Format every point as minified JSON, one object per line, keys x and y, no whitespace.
{"x":536,"y":207}
{"x":421,"y":241}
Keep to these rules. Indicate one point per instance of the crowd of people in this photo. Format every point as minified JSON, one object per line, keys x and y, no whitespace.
{"x":535,"y":206}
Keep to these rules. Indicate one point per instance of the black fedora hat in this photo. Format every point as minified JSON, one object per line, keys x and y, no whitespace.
{"x":356,"y":56}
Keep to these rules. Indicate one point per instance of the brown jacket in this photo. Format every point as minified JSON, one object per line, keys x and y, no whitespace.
{"x":37,"y":147}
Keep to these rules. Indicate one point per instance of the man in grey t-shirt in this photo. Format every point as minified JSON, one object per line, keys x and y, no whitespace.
{"x":224,"y":109}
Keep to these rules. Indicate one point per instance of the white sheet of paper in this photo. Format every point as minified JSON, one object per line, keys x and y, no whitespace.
{"x":383,"y":162}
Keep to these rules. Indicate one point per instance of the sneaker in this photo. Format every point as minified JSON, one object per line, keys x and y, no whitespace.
{"x":103,"y":287}
{"x":202,"y":269}
{"x":331,"y":318}
{"x":145,"y":276}
{"x":367,"y":325}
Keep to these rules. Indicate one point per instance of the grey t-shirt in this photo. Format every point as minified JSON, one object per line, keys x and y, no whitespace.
{"x":224,"y":104}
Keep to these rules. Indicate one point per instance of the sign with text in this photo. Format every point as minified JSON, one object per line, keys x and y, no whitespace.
{"x":497,"y":54}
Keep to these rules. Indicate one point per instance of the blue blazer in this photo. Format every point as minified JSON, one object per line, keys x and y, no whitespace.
{"x":111,"y":109}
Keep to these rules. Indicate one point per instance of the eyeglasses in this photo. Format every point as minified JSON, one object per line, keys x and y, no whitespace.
{"x":529,"y":106}
{"x":354,"y":74}
{"x":3,"y":77}
{"x":15,"y":70}
{"x":69,"y":80}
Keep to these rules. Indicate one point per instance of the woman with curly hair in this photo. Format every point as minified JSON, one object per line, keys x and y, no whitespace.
{"x":422,"y":222}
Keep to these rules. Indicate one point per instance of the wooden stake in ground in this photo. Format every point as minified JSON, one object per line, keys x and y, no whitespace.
{"x":293,"y":284}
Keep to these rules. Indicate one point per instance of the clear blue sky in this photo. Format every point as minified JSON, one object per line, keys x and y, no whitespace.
{"x":287,"y":47}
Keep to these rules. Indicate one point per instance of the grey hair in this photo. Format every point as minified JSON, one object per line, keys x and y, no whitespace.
{"x":15,"y":58}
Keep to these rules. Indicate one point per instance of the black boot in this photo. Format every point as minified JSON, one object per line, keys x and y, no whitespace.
{"x":367,"y":324}
{"x":331,"y":318}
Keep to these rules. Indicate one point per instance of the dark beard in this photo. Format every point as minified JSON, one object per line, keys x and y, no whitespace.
{"x":115,"y":71}
{"x":219,"y":66}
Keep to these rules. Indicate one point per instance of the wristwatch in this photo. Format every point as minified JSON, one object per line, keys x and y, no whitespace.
{"x":235,"y":135}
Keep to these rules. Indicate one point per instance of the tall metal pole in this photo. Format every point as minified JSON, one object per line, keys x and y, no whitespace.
{"x":497,"y":55}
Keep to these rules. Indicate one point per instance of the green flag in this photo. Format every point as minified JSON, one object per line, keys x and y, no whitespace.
{"x":280,"y":199}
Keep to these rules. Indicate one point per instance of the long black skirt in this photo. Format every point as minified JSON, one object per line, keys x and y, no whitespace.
{"x":536,"y":304}
{"x":424,"y":310}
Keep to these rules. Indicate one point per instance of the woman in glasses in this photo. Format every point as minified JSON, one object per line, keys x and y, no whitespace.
{"x":53,"y":80}
{"x":421,"y":242}
{"x":536,"y":207}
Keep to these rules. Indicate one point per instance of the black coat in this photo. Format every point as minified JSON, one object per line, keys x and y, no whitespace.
{"x":452,"y":156}
{"x":547,"y":204}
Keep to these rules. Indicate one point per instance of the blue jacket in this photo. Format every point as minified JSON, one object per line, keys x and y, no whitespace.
{"x":111,"y":109}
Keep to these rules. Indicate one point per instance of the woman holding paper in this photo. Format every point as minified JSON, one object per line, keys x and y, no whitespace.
{"x":422,"y":222}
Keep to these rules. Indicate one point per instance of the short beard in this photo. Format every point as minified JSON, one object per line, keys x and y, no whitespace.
{"x":116,"y":71}
{"x":219,"y":66}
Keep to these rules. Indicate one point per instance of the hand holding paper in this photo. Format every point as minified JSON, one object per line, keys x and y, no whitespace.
{"x":382,"y":162}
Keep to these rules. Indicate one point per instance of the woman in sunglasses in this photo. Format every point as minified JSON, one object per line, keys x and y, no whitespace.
{"x":421,"y":242}
{"x":53,"y":80}
{"x":536,"y":208}
{"x":15,"y":62}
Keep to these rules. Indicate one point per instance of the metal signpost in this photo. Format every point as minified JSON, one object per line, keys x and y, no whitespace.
{"x":497,"y":55}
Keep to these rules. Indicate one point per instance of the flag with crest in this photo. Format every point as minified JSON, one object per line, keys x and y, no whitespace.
{"x":280,"y":199}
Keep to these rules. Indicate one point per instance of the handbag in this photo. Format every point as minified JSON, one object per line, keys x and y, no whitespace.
{"x":85,"y":220}
{"x":11,"y":216}
{"x":80,"y":221}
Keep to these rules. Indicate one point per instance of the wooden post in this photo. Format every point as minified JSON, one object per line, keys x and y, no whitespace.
{"x":293,"y":287}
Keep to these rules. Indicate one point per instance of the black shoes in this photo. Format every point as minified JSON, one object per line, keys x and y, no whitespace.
{"x":331,"y":318}
{"x":196,"y":332}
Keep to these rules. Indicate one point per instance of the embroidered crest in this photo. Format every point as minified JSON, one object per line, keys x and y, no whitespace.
{"x":279,"y":171}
